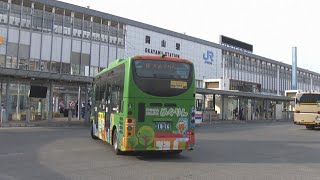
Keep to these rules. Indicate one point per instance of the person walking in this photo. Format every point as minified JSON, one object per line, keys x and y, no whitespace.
{"x":73,"y":107}
{"x":83,"y":109}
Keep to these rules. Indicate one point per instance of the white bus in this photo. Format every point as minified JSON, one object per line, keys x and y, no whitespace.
{"x":199,"y":108}
{"x":307,"y":109}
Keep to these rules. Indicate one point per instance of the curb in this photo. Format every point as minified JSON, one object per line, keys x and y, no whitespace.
{"x":241,"y":122}
{"x":6,"y":125}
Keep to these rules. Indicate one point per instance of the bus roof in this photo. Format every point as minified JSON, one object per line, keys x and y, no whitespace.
{"x":142,"y":57}
{"x":161,"y":57}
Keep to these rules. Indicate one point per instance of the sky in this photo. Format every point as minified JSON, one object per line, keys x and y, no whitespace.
{"x":273,"y":27}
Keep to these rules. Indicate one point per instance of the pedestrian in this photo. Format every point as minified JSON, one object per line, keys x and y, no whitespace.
{"x":61,"y":106}
{"x":73,"y":107}
{"x":241,"y":114}
{"x":77,"y":108}
{"x":83,"y":109}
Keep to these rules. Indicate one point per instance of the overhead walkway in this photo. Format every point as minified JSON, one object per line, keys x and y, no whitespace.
{"x":236,"y":105}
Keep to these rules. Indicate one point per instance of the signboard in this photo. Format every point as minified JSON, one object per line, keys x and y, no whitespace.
{"x":235,"y":43}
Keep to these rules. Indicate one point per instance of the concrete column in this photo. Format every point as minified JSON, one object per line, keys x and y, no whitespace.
{"x":278,"y":81}
{"x":222,"y":108}
{"x":86,"y":115}
{"x":266,"y":105}
{"x":79,"y":102}
{"x":50,"y":118}
{"x":294,"y":68}
{"x":7,"y":100}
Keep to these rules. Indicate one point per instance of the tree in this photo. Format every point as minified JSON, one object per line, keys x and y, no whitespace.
{"x":132,"y":141}
{"x":145,"y":136}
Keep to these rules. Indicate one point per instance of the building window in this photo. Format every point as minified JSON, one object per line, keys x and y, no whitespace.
{"x":65,"y":68}
{"x":178,"y":46}
{"x":148,"y":39}
{"x":163,"y":43}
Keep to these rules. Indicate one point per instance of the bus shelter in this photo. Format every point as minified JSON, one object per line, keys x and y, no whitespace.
{"x":236,"y":105}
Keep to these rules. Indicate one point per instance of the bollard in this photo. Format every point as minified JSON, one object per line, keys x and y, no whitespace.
{"x":3,"y":115}
{"x":69,"y":115}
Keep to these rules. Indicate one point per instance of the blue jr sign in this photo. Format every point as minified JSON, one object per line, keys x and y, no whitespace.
{"x":208,"y":58}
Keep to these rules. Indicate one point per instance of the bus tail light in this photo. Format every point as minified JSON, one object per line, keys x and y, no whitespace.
{"x":129,"y":120}
{"x":297,"y":111}
{"x":192,"y":118}
{"x":130,"y":127}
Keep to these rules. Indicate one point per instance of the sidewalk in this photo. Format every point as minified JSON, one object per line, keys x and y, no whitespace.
{"x":60,"y":122}
{"x":242,"y":121}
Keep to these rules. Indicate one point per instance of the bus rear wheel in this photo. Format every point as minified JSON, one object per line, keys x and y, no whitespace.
{"x":115,"y":142}
{"x":310,"y":127}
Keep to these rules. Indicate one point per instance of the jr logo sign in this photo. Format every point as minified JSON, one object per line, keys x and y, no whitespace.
{"x":208,"y":58}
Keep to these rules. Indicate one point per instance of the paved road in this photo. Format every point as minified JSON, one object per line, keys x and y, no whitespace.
{"x":263,"y":151}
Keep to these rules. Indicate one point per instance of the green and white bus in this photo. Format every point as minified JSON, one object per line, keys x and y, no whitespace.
{"x":145,"y":103}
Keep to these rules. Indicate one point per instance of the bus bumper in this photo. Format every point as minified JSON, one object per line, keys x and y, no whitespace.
{"x":306,"y":119}
{"x":307,"y":123}
{"x":158,"y":144}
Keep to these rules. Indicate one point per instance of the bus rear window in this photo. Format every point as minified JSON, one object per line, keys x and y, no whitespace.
{"x":162,"y":69}
{"x":308,"y":98}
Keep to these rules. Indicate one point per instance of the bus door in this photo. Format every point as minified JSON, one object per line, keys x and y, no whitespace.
{"x":107,"y":110}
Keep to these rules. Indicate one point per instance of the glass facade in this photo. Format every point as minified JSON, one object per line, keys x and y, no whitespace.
{"x":252,"y":70}
{"x":43,"y":38}
{"x":18,"y":106}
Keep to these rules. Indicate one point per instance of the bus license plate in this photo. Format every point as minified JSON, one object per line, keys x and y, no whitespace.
{"x":162,"y":125}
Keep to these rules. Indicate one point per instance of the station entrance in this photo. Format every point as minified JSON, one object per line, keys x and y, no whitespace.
{"x":42,"y":100}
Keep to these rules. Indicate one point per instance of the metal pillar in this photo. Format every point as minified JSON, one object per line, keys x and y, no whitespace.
{"x":278,"y":81}
{"x":7,"y":101}
{"x":222,"y":107}
{"x":50,"y":102}
{"x":86,"y":115}
{"x":79,"y":102}
{"x":294,"y":68}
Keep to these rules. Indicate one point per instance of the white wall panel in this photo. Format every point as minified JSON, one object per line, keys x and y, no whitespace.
{"x":56,"y":48}
{"x":103,"y":56}
{"x":76,"y":46}
{"x":192,"y":51}
{"x":66,"y":50}
{"x":25,"y":37}
{"x":112,"y":55}
{"x":46,"y":47}
{"x":121,"y":53}
{"x":35,"y":46}
{"x":13,"y":35}
{"x":95,"y":54}
{"x":86,"y":47}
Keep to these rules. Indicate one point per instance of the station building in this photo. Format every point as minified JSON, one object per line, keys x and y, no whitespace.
{"x":61,"y":47}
